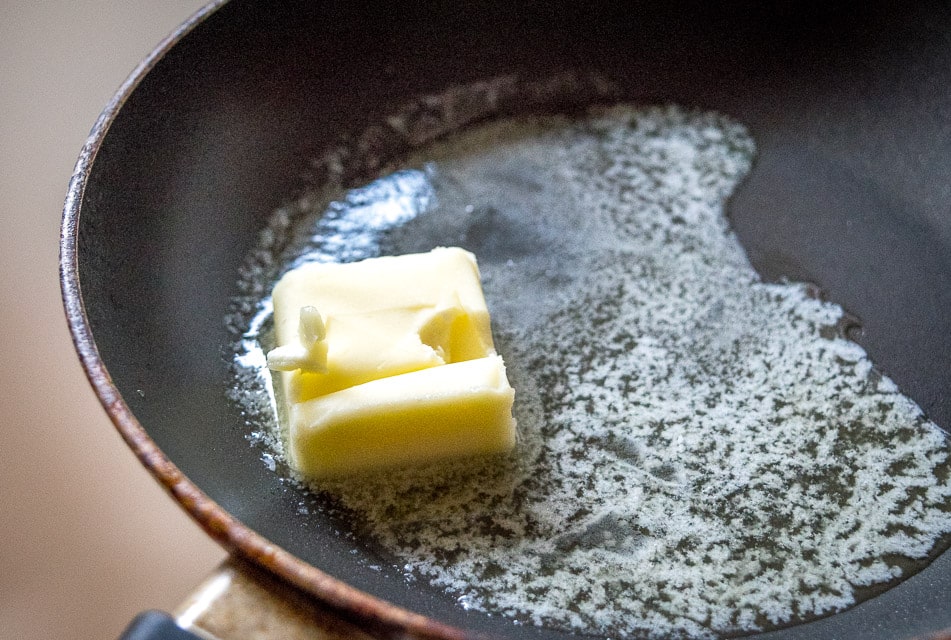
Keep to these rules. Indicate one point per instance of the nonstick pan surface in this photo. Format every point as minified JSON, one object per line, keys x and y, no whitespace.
{"x":849,"y":106}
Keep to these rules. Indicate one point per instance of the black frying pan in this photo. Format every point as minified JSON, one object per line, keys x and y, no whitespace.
{"x":850,"y":108}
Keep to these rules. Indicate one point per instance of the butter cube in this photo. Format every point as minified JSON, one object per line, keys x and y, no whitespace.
{"x":389,"y":361}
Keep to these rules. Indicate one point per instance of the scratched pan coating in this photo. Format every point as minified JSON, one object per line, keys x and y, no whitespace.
{"x":220,"y":126}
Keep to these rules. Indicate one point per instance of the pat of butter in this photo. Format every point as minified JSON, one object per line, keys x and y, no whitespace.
{"x":372,"y":357}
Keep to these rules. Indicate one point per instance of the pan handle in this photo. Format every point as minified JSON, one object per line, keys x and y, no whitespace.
{"x":239,"y":600}
{"x":155,"y":625}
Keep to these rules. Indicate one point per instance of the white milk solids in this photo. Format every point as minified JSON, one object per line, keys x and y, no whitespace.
{"x":698,"y":453}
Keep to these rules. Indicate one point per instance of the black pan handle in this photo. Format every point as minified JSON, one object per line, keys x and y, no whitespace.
{"x":155,"y":625}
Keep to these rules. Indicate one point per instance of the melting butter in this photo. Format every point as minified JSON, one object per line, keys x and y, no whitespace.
{"x":696,"y":455}
{"x":388,"y":361}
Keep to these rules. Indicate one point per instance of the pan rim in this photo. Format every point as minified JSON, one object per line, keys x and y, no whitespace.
{"x":234,"y":536}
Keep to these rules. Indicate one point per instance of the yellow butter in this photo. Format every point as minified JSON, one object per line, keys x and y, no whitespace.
{"x":459,"y":409}
{"x":389,"y":361}
{"x":385,"y":316}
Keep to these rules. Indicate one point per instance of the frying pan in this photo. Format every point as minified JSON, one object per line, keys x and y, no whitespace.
{"x":849,"y":105}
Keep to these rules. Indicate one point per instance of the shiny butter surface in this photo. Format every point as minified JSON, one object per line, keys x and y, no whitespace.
{"x":458,"y":409}
{"x":387,"y":321}
{"x":385,"y":316}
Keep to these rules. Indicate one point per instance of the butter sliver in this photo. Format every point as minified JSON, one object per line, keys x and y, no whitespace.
{"x":454,"y":410}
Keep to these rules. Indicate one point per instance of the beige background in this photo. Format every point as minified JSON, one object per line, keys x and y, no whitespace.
{"x":87,"y":538}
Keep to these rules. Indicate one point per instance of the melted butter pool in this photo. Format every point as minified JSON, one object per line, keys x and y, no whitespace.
{"x":699,"y":453}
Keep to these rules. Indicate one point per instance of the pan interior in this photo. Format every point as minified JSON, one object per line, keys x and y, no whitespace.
{"x":846,"y":105}
{"x":707,"y":452}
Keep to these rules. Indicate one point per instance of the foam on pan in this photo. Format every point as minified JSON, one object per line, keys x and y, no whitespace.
{"x":700,"y":452}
